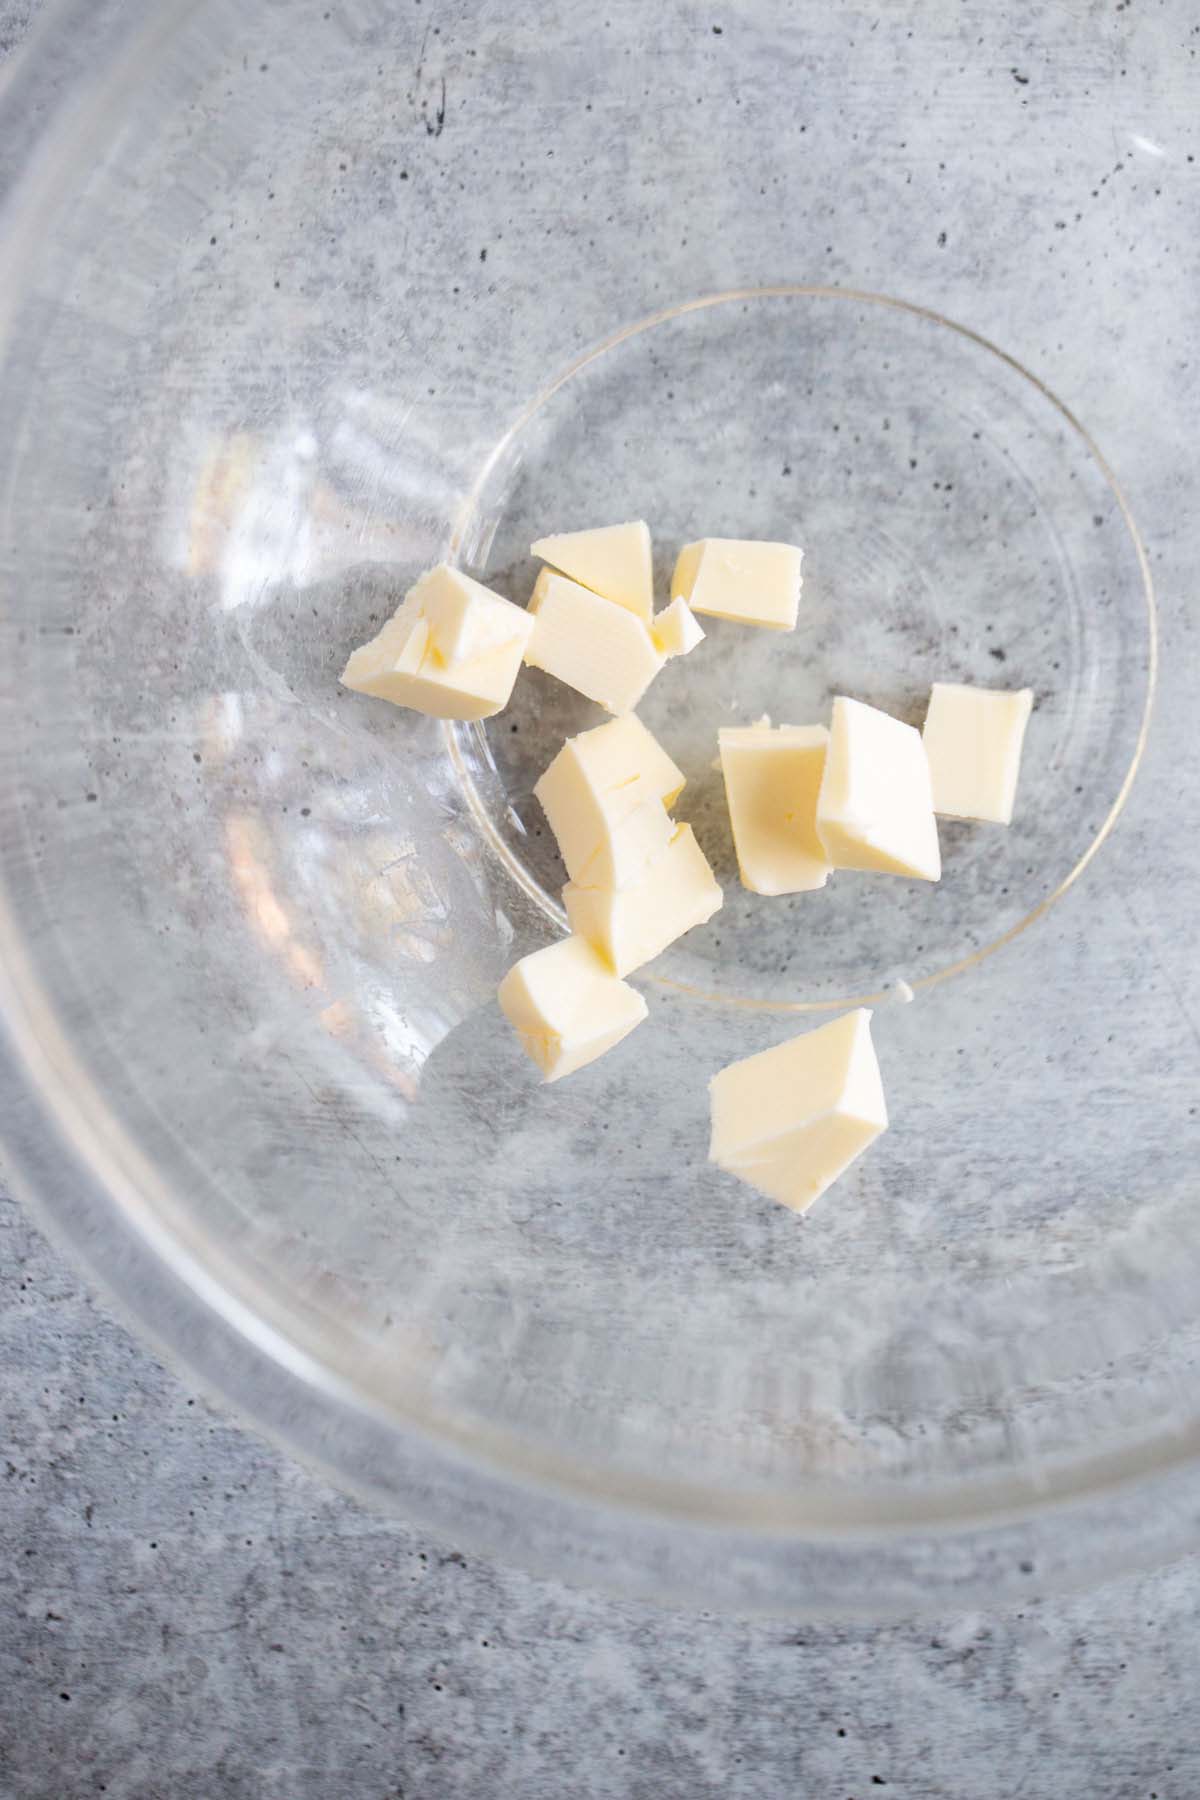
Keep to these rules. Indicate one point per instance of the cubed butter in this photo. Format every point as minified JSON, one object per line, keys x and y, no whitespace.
{"x":973,"y":739}
{"x":414,"y":676}
{"x":613,"y":560}
{"x":388,"y":664}
{"x":676,"y":630}
{"x":772,"y":779}
{"x":746,"y":579}
{"x":875,"y":807}
{"x":602,"y":650}
{"x":596,"y":783}
{"x":630,"y":925}
{"x":792,"y":1119}
{"x":466,"y":619}
{"x":629,"y":848}
{"x":404,"y":664}
{"x":566,"y":1007}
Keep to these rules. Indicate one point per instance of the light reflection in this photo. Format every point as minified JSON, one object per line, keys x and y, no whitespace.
{"x":259,"y":515}
{"x":269,"y":529}
{"x":301,"y":505}
{"x":394,"y":1043}
{"x":339,"y":1018}
{"x":224,"y":472}
{"x":220,"y":726}
{"x":262,"y":905}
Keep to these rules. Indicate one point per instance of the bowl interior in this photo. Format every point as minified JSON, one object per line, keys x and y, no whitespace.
{"x":293,"y":339}
{"x":958,"y":526}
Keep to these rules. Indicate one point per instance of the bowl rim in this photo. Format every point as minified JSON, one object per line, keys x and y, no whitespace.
{"x":90,"y":1186}
{"x":462,"y":541}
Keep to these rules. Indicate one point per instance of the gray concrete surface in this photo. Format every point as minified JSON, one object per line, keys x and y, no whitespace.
{"x":187,"y":1616}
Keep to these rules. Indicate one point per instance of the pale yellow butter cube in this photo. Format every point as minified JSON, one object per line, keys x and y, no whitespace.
{"x":567,"y":1007}
{"x":676,"y":630}
{"x":392,"y":658}
{"x":630,"y":925}
{"x":615,"y":561}
{"x":596,"y":782}
{"x":875,"y":807}
{"x":629,"y":848}
{"x":973,"y":739}
{"x":772,"y":780}
{"x":601,"y":650}
{"x":683,"y":579}
{"x":746,"y":579}
{"x":402,"y":665}
{"x":452,"y":649}
{"x":792,"y":1119}
{"x":466,"y":620}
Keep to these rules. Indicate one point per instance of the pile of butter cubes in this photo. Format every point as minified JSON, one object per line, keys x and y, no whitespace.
{"x":804,"y":800}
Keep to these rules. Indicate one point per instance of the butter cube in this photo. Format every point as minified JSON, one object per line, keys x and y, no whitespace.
{"x":875,"y":807}
{"x":390,"y":662}
{"x":600,"y":649}
{"x":566,"y":1007}
{"x":451,"y":649}
{"x":466,"y":619}
{"x":613,"y":560}
{"x":973,"y":739}
{"x":741,"y":578}
{"x":629,"y":848}
{"x":676,"y":630}
{"x":790,"y":1120}
{"x":596,"y":783}
{"x":683,"y":579}
{"x":630,"y":925}
{"x":772,"y":779}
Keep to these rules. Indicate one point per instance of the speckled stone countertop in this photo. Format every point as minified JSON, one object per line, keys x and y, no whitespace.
{"x":188,"y":1616}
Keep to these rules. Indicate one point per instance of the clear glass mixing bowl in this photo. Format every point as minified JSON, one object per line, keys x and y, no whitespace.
{"x":297,"y":299}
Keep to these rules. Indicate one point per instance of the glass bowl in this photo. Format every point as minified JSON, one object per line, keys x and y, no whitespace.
{"x":297,"y":304}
